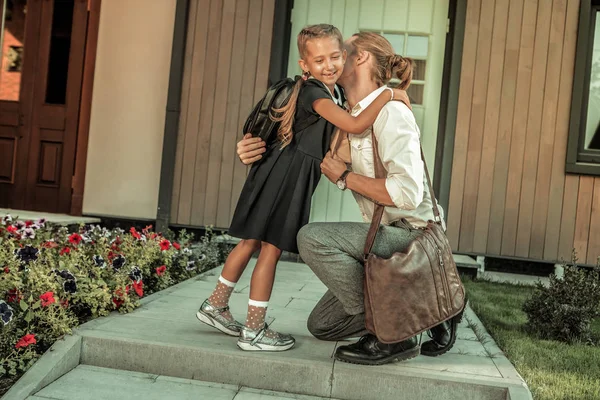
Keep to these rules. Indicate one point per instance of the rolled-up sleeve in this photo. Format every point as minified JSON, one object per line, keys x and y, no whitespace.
{"x":400,"y":151}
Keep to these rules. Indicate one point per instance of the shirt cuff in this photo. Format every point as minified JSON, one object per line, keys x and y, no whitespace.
{"x":396,"y":193}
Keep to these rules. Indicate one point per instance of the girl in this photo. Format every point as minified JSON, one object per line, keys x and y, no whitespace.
{"x":276,"y":199}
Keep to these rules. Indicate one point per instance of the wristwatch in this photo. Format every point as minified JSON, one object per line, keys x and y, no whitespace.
{"x":341,"y":182}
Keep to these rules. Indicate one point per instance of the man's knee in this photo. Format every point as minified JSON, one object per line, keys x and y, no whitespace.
{"x":308,"y":237}
{"x":318,"y":328}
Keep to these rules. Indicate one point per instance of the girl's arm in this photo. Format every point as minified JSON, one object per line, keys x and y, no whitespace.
{"x":346,"y":122}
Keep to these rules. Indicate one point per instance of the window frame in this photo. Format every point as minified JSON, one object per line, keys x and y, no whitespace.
{"x":579,"y":160}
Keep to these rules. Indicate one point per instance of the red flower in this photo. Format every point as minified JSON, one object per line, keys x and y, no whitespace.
{"x":135,"y":233}
{"x":161,"y":270}
{"x":75,"y":239}
{"x":26,"y":341}
{"x":64,"y":303}
{"x":146,"y":229}
{"x":28,"y":223}
{"x":153,"y":236}
{"x":6,"y":270}
{"x":47,"y":299}
{"x":139,"y":288}
{"x":176,"y":245}
{"x":65,"y":250}
{"x":14,"y":296}
{"x":119,"y":294}
{"x":111,"y":255}
{"x":118,"y":302}
{"x":165,"y":245}
{"x":49,"y":245}
{"x":118,"y":241}
{"x":115,"y":247}
{"x":11,"y":229}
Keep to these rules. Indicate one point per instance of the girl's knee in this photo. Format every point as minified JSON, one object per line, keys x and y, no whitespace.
{"x":252,"y":244}
{"x":268,"y":248}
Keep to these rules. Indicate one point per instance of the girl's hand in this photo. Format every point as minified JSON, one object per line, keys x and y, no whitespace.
{"x":401,"y":95}
{"x":250,"y":149}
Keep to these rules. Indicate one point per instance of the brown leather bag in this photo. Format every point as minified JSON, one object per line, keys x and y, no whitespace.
{"x":340,"y":146}
{"x":415,"y":289}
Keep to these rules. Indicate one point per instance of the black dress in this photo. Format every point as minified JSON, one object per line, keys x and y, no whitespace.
{"x":276,"y":198}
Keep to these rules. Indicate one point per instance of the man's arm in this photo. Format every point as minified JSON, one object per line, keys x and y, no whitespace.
{"x":400,"y":153}
{"x":250,"y":149}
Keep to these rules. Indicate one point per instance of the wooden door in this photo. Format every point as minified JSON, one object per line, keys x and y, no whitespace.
{"x":44,"y":138}
{"x":416,"y":28}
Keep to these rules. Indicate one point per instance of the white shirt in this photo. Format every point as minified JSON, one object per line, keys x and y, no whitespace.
{"x":399,"y":148}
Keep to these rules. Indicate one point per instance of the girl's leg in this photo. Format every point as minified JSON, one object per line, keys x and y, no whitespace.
{"x":261,"y":285}
{"x":234,"y":267}
{"x":254,"y":336}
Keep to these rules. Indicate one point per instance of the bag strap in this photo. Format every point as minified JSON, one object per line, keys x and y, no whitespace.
{"x":380,"y":208}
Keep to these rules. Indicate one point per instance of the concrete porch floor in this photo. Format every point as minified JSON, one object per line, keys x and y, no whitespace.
{"x":163,"y":348}
{"x":59,"y":219}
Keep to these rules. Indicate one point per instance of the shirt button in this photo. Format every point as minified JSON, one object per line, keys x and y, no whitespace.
{"x":359,"y":146}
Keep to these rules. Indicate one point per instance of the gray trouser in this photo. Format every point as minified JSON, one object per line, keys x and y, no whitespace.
{"x":334,"y":251}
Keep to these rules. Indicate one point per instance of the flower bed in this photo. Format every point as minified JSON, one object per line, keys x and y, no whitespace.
{"x":52,"y":280}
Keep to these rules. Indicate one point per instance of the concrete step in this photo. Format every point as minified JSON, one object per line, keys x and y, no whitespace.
{"x":164,"y":338}
{"x":94,"y":383}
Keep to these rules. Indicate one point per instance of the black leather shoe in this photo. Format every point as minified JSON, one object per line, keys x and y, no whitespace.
{"x":443,"y":337}
{"x":370,"y":351}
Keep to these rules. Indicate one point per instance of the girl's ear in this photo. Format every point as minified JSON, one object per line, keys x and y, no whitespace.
{"x":303,"y":65}
{"x":344,"y":56}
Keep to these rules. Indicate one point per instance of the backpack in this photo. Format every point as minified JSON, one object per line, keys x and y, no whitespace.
{"x":259,"y":122}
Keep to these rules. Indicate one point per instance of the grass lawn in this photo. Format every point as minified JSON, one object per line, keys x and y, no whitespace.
{"x":552,"y":370}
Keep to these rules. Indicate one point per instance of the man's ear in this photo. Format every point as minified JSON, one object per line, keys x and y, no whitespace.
{"x":363,"y":57}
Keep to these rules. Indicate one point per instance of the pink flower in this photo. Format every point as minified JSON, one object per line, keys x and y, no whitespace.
{"x":161,"y":270}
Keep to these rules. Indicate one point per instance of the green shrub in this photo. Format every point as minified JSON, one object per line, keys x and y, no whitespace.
{"x":566,"y":308}
{"x":52,"y":280}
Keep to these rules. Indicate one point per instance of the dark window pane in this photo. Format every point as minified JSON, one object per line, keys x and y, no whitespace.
{"x":419,"y":70}
{"x":592,"y":131}
{"x":415,"y":93}
{"x":60,"y":43}
{"x":13,"y":38}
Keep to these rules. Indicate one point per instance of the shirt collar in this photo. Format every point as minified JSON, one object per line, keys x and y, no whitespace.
{"x":336,"y":96}
{"x":364,"y":103}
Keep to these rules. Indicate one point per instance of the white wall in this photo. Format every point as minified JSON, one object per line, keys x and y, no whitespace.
{"x":128,"y":108}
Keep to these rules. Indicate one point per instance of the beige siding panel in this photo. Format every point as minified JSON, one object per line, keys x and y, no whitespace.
{"x":517,"y":147}
{"x":232,"y":128}
{"x":461,"y":139}
{"x":248,"y":84}
{"x":557,"y":181}
{"x":351,"y":17}
{"x":222,"y":80}
{"x":582,"y":218}
{"x":215,"y":154}
{"x":476,"y":126}
{"x":507,"y":107}
{"x":490,"y":131}
{"x":185,"y":94}
{"x":569,"y":212}
{"x":544,"y":166}
{"x":338,"y":12}
{"x":593,"y":251}
{"x":211,"y":68}
{"x":534,"y":123}
{"x":193,"y":119}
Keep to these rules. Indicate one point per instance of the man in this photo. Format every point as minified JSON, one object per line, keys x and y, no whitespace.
{"x":334,"y":251}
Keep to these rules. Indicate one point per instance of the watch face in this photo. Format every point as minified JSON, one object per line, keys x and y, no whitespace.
{"x":341,"y":185}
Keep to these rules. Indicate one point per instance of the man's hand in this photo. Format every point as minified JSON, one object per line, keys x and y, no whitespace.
{"x":250,"y":149}
{"x":331,"y":168}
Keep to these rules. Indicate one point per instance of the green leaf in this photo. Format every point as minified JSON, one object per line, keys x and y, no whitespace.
{"x":29,"y":316}
{"x":23,"y":305}
{"x":36,"y":305}
{"x":61,"y":264}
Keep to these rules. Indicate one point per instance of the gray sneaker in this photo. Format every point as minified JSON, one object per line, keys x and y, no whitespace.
{"x":214,"y":317}
{"x":251,"y":340}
